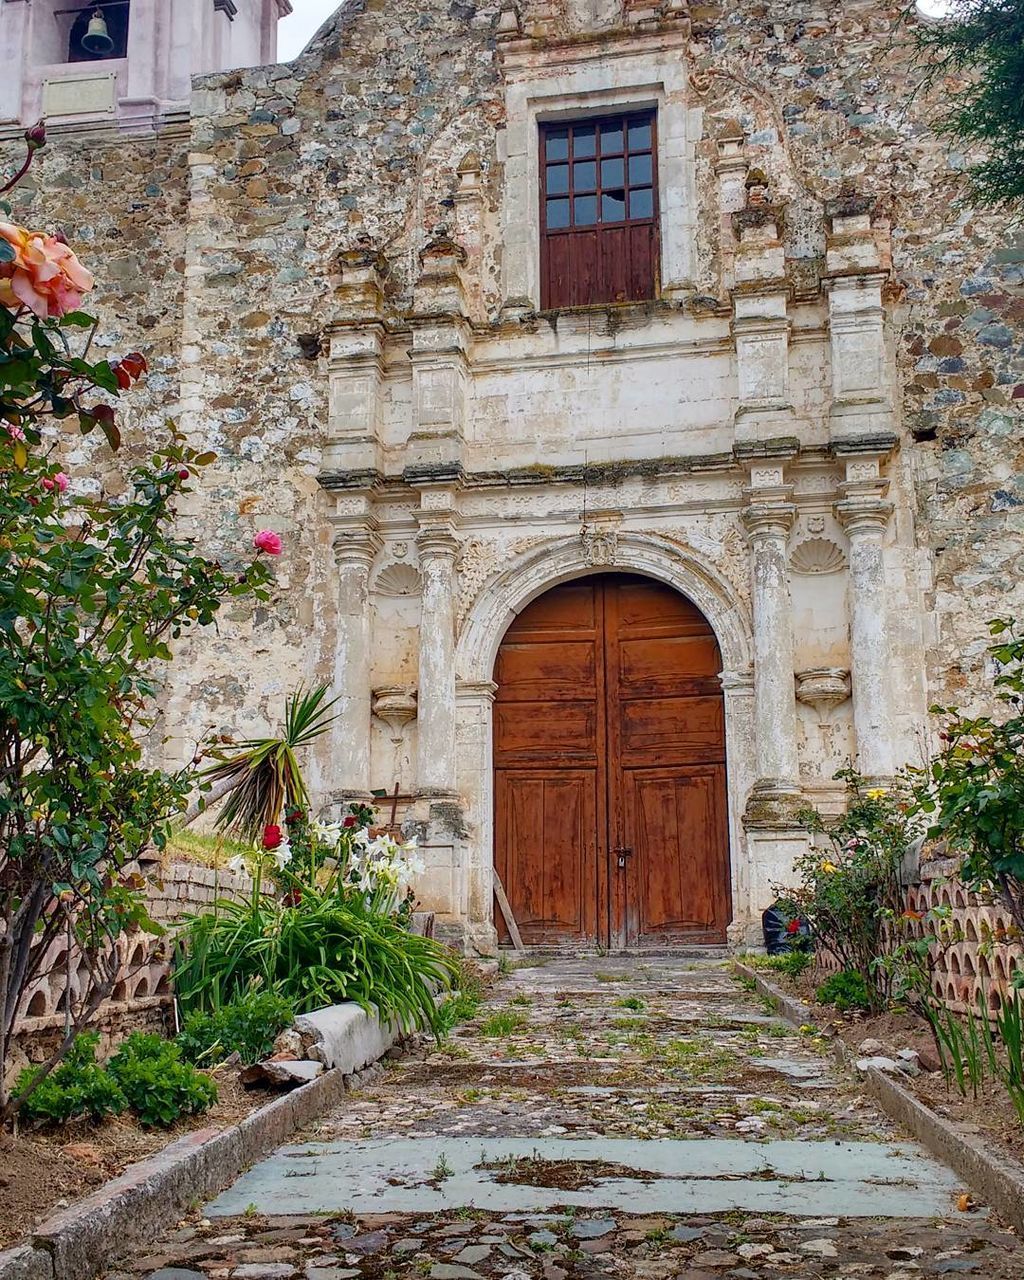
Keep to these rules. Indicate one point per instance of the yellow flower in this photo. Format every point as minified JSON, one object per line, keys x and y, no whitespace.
{"x":828,"y":866}
{"x":876,"y":793}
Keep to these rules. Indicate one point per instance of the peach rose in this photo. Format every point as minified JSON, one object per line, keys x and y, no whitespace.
{"x":44,"y":276}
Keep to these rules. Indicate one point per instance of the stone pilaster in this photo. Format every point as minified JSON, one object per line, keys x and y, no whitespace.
{"x":356,"y":542}
{"x":731,"y":170}
{"x":437,"y":546}
{"x":857,"y":266}
{"x":761,"y":323}
{"x":474,"y":702}
{"x":865,"y":513}
{"x":439,"y":356}
{"x":356,"y":349}
{"x":767,"y":520}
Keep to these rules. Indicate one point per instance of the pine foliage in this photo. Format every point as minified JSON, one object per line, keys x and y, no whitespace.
{"x":983,"y":40}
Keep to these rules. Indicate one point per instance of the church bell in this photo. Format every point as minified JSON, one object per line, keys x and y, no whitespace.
{"x":97,"y":37}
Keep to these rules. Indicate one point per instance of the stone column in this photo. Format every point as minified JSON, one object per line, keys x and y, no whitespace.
{"x":436,"y":772}
{"x":768,"y":522}
{"x":865,"y":517}
{"x":354,"y":550}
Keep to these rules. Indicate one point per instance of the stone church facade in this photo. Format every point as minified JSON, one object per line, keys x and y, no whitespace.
{"x":638,"y":401}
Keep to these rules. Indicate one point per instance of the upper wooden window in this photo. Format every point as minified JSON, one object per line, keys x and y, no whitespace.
{"x":599,"y":211}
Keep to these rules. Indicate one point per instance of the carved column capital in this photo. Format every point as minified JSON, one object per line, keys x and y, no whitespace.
{"x":356,"y":544}
{"x":863,"y":515}
{"x":437,"y":540}
{"x":769,"y":520}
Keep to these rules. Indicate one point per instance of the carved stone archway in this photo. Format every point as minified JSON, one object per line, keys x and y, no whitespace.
{"x":508,"y":592}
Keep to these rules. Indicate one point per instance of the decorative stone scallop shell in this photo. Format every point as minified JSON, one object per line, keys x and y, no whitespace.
{"x":397,"y":580}
{"x":816,"y":555}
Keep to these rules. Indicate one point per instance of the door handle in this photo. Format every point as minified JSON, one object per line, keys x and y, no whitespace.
{"x":622,"y":854}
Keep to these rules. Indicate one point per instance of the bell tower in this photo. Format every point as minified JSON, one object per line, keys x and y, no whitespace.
{"x":124,"y":63}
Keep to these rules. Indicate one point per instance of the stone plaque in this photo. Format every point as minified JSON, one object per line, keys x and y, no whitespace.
{"x":84,"y":94}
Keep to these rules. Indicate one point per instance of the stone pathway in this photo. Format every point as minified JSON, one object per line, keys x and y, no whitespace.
{"x":605,"y":1118}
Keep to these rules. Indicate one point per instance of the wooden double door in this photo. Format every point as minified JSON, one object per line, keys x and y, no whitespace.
{"x":609,"y":761}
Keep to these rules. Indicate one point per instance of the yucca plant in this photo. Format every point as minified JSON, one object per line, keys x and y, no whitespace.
{"x":262,"y":775}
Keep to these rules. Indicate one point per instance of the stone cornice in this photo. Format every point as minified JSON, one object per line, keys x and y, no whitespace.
{"x":360,"y":481}
{"x":878,"y":445}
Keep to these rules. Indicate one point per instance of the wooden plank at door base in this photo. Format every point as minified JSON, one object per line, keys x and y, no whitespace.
{"x":506,"y":911}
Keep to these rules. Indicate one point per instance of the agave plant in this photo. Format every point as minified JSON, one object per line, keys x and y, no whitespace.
{"x":261,"y":777}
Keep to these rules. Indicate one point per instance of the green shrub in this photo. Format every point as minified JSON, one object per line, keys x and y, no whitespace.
{"x":247,"y":1026}
{"x":159,"y":1087}
{"x":846,"y":990}
{"x":326,"y":947}
{"x":791,"y":963}
{"x":78,"y":1087}
{"x":851,"y":893}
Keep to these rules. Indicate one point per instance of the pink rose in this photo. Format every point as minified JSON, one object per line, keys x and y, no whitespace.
{"x":269,"y":541}
{"x":45,"y":275}
{"x":15,"y":432}
{"x":59,"y":482}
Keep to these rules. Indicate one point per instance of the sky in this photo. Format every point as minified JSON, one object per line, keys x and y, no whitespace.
{"x":295,"y":31}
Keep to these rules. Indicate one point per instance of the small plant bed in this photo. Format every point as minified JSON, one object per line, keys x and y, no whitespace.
{"x":991,"y":1114}
{"x":46,"y":1169}
{"x":87,"y":1121}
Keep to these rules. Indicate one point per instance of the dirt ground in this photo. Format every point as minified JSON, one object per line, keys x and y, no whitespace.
{"x":44,"y":1170}
{"x":991,"y":1114}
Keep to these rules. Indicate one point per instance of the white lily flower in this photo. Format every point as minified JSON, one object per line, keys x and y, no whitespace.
{"x":236,"y":864}
{"x":282,"y":855}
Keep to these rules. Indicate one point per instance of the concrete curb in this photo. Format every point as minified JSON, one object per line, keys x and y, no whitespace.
{"x":998,"y":1180}
{"x":129,"y":1211}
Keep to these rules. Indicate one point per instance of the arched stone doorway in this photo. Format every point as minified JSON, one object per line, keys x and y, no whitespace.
{"x":610,"y":801}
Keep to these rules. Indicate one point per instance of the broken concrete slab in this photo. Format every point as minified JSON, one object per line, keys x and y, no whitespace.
{"x":698,"y":1176}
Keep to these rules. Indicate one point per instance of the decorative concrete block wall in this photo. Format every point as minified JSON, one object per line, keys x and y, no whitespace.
{"x":987,"y":953}
{"x":142,"y":993}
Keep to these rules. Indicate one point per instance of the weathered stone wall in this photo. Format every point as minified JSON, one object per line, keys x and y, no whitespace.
{"x":828,"y":93}
{"x":360,"y":141}
{"x":351,"y":262}
{"x":360,"y":138}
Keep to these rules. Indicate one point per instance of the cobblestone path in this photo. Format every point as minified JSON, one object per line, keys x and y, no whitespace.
{"x":605,"y":1118}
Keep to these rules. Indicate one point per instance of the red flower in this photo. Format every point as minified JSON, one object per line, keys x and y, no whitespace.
{"x":350,"y":821}
{"x":793,"y":926}
{"x":272,"y":836}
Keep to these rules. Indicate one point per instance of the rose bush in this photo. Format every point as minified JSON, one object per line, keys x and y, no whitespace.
{"x":851,"y":888}
{"x":93,"y":594}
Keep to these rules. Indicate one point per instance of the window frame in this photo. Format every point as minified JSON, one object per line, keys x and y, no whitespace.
{"x":625,"y":115}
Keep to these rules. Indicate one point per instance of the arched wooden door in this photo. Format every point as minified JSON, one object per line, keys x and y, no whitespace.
{"x":609,"y":763}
